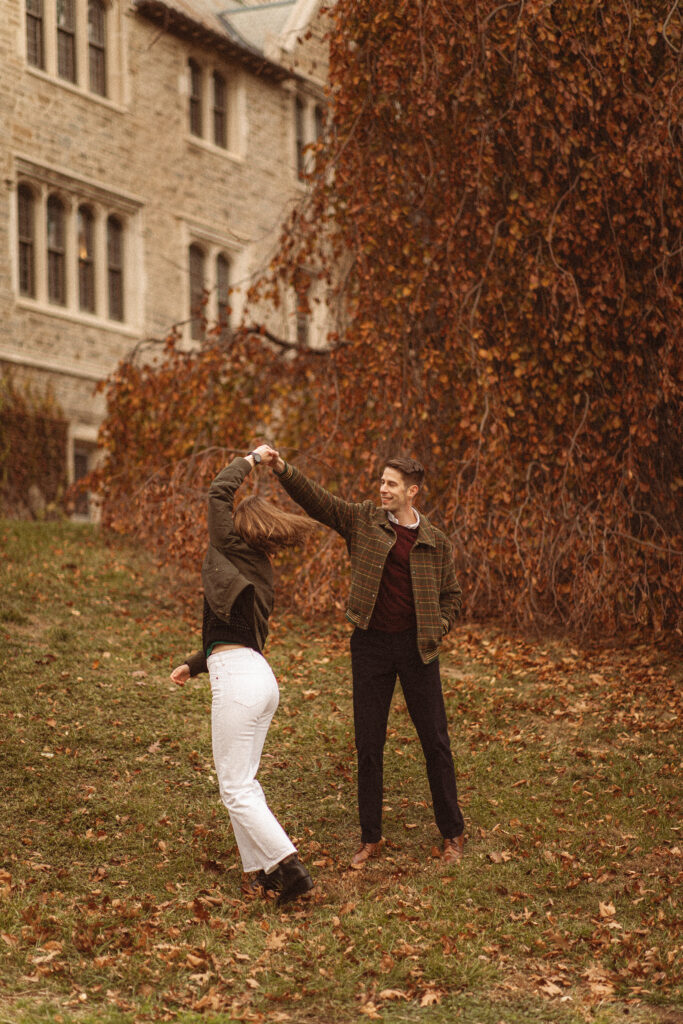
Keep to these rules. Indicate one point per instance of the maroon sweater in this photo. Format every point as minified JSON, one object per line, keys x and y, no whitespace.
{"x":394,"y":608}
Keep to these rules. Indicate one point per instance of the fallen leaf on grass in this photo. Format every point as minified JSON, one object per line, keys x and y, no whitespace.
{"x":601,"y":989}
{"x":393,"y":993}
{"x":550,"y":988}
{"x":370,"y":1010}
{"x":212,"y":1000}
{"x":431,"y":997}
{"x":277,"y":940}
{"x":599,"y":982}
{"x":48,"y":958}
{"x":195,"y":961}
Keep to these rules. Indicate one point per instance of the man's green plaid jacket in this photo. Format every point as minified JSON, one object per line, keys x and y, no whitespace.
{"x":369,"y":538}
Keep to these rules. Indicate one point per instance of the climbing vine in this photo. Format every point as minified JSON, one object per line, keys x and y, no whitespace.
{"x":496,"y":214}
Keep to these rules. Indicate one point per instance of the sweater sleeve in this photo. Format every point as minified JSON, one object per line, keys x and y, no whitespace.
{"x":197,"y":663}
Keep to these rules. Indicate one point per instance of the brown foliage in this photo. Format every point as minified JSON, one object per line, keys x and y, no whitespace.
{"x":33,"y":435}
{"x":497,"y":212}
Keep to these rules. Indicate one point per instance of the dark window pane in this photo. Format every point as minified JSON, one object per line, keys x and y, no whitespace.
{"x":66,"y":40}
{"x":56,"y":281}
{"x":302,"y":329}
{"x":220,"y":113}
{"x":195,"y":98}
{"x":319,"y":123}
{"x":35,"y":52}
{"x":81,"y":468}
{"x":303,"y":309}
{"x":97,"y":47}
{"x":223,"y":288}
{"x":115,"y":268}
{"x":26,"y":210}
{"x":197,"y":293}
{"x":86,"y":265}
{"x":300,"y":137}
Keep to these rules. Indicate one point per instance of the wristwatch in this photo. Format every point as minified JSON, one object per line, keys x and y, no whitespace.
{"x":255,"y":456}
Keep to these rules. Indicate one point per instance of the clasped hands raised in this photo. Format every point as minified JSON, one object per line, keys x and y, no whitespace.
{"x":269,"y":456}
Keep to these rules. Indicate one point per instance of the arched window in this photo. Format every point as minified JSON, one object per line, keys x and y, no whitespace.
{"x":197,"y":291}
{"x":86,"y":259}
{"x":27,"y":242}
{"x":196,"y":116}
{"x":35,"y":33}
{"x":115,"y":267}
{"x":56,"y":257}
{"x":220,"y":110}
{"x":223,"y":289}
{"x":97,"y":46}
{"x":66,"y":39}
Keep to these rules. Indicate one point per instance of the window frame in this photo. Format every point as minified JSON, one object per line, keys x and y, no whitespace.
{"x":218,"y":292}
{"x":214,"y":98}
{"x":309,"y":118}
{"x":58,"y":268}
{"x":79,"y":44}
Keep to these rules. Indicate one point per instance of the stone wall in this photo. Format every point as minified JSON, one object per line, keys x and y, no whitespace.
{"x":133,"y":156}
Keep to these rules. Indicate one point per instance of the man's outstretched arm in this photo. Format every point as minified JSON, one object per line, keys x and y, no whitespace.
{"x":319,"y":503}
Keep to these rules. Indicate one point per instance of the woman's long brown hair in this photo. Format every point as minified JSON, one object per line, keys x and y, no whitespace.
{"x":268,"y":528}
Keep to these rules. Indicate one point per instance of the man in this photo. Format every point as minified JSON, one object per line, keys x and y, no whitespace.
{"x":403,"y":599}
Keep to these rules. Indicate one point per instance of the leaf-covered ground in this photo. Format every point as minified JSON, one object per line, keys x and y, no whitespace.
{"x":120,"y":895}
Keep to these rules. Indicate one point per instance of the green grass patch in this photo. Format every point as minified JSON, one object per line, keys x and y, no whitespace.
{"x":120,"y":896}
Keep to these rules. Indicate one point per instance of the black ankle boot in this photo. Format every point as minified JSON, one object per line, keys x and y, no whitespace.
{"x":289,"y":880}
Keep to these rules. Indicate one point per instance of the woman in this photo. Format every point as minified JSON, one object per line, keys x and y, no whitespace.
{"x":238,"y":597}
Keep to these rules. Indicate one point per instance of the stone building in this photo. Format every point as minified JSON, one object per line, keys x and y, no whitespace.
{"x":150,"y":150}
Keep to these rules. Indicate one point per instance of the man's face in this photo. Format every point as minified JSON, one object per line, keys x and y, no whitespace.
{"x":394,"y":493}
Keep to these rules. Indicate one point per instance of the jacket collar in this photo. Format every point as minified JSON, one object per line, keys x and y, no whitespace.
{"x":425,"y":531}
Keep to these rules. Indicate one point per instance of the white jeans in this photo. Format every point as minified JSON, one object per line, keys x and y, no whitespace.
{"x":244,"y":698}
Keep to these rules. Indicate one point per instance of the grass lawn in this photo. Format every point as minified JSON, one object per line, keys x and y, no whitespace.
{"x":120,"y":895}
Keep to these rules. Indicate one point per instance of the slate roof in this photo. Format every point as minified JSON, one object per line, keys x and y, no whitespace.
{"x":238,"y":30}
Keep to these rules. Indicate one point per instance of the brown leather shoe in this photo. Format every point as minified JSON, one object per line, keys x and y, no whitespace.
{"x":366,"y":851}
{"x":453,"y":850}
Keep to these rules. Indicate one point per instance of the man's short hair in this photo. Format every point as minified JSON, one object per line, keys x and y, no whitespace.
{"x":411,"y":470}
